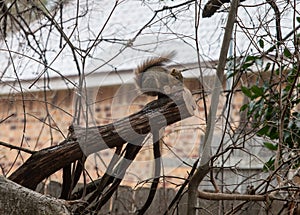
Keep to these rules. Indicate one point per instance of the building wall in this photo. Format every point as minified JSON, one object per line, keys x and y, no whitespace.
{"x":41,"y":119}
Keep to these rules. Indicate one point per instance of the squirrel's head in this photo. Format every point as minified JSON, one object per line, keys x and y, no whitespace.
{"x":177,"y":74}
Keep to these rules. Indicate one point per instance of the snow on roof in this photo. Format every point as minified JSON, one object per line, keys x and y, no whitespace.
{"x":113,"y":30}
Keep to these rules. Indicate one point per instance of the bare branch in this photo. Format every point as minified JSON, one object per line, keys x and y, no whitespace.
{"x":17,"y":147}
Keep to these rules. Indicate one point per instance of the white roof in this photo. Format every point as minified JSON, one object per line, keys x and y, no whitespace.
{"x":120,"y":42}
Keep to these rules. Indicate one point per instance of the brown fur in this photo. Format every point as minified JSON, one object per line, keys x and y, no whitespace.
{"x":155,"y":64}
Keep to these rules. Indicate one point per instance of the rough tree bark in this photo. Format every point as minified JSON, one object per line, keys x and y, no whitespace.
{"x":15,"y":199}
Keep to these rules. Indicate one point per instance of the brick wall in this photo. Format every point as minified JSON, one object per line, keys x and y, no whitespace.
{"x":39,"y":119}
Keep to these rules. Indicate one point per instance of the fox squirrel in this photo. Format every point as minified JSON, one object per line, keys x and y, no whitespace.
{"x":154,"y":79}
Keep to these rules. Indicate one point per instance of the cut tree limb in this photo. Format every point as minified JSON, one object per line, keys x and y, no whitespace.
{"x":86,"y":141}
{"x":212,"y":6}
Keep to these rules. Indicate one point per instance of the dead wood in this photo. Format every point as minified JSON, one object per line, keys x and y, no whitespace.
{"x":85,"y":141}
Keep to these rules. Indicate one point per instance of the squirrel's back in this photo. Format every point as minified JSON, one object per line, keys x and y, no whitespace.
{"x":152,"y":77}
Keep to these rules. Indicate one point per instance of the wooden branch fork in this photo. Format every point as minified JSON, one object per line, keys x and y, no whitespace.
{"x":85,"y":141}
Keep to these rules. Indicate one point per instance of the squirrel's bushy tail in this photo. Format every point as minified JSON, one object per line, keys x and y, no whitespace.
{"x":154,"y":61}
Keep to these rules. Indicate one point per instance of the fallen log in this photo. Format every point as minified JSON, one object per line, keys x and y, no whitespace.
{"x":85,"y":141}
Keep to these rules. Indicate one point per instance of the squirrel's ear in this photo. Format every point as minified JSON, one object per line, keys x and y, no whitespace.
{"x":177,"y":74}
{"x":173,"y":72}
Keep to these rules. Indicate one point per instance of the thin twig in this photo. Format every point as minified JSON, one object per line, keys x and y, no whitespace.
{"x":17,"y":148}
